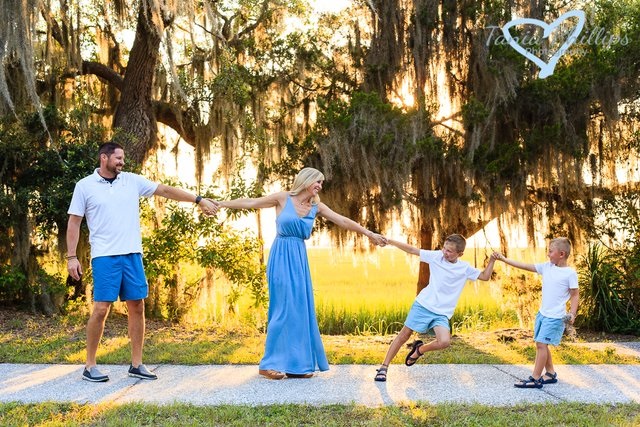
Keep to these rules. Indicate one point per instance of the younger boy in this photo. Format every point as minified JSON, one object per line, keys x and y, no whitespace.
{"x":559,"y":285}
{"x":435,"y":304}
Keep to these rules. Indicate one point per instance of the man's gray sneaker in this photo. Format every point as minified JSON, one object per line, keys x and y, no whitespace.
{"x":142,"y":372}
{"x":94,"y":375}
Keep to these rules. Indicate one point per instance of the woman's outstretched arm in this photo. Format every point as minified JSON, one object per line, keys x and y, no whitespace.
{"x":349,"y":224}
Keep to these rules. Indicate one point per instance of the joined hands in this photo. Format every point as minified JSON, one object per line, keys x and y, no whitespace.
{"x":209,"y":207}
{"x":378,"y":239}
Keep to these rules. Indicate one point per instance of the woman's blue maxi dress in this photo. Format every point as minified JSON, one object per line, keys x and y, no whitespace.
{"x":293,"y":342}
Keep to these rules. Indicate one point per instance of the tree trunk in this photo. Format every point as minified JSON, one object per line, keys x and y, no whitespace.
{"x":153,"y":301}
{"x":176,"y":304}
{"x":134,"y":116}
{"x":426,"y":242}
{"x":83,"y":252}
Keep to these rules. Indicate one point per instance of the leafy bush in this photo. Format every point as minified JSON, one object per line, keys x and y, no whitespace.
{"x":607,"y":295}
{"x":180,"y":240}
{"x":12,"y":282}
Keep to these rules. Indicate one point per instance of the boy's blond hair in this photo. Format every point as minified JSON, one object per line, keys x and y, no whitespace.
{"x":563,"y":244}
{"x":458,"y":240}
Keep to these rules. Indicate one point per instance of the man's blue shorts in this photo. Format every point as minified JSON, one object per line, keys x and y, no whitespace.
{"x":548,"y":330}
{"x":422,"y":320}
{"x":119,"y":276}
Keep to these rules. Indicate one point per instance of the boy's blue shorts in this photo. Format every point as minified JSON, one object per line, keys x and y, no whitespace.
{"x":422,"y":320}
{"x":119,"y":276}
{"x":548,"y":330}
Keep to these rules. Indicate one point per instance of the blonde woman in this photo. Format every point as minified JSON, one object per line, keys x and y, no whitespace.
{"x":293,"y":347}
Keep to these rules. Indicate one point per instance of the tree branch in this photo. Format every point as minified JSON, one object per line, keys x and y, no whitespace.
{"x":104,"y":72}
{"x":263,"y":14}
{"x":180,"y":121}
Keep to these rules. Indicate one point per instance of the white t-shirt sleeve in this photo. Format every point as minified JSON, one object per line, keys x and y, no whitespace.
{"x":573,"y":280}
{"x":428,"y":256}
{"x":77,"y":206}
{"x":473,"y":273}
{"x":146,"y":188}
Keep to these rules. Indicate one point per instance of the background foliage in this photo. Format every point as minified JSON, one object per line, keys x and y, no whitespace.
{"x":406,"y":105}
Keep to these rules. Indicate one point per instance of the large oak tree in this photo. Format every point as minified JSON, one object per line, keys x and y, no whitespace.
{"x":235,"y":77}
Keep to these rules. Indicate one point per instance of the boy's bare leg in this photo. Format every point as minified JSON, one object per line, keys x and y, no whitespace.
{"x":95,"y":328}
{"x":442,"y":341}
{"x":548,"y":367}
{"x":397,"y":343}
{"x":542,"y":355}
{"x":136,"y":325}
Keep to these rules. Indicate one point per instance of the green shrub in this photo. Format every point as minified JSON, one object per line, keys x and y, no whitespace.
{"x":606,"y":300}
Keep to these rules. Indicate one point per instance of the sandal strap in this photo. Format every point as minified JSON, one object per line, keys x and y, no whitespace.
{"x":530,"y":383}
{"x":415,"y":348}
{"x":533,"y":380}
{"x":381,"y":374}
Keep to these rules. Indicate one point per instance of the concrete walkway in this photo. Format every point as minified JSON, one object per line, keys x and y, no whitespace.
{"x":342,"y":384}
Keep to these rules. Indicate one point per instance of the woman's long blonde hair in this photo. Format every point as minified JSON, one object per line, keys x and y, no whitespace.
{"x":304,"y":179}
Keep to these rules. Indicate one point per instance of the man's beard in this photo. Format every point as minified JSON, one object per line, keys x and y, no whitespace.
{"x":113,"y":169}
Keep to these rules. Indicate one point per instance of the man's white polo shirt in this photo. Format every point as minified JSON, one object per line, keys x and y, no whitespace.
{"x":112,"y":211}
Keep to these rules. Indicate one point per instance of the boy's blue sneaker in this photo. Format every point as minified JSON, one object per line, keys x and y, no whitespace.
{"x":94,"y":375}
{"x":142,"y":372}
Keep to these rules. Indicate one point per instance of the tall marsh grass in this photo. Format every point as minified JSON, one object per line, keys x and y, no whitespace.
{"x":364,"y":294}
{"x":335,"y":320}
{"x":372,"y":294}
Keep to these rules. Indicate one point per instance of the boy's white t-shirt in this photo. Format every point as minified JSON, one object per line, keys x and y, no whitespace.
{"x":556,"y":282}
{"x":446,"y":281}
{"x":112,"y":211}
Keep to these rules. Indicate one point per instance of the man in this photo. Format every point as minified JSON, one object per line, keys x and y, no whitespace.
{"x":110,"y":200}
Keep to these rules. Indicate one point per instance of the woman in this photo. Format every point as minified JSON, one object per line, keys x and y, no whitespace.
{"x":293,"y":347}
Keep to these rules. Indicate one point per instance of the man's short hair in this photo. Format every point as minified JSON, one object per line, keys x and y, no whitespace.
{"x":109,"y":148}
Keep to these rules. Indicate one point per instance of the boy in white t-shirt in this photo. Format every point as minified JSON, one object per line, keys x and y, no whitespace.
{"x":436,"y":303}
{"x":559,"y":285}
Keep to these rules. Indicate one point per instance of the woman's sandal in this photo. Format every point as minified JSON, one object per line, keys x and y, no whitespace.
{"x":551,"y":378}
{"x":307,"y":375}
{"x":415,"y":348}
{"x":272,"y":374}
{"x":530,"y":383}
{"x":381,"y":374}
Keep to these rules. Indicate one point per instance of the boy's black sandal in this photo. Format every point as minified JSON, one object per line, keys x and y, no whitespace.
{"x":551,"y":378}
{"x":415,"y":348}
{"x":530,"y":383}
{"x":381,"y":374}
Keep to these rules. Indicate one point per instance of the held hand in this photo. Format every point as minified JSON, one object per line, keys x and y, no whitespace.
{"x":74,"y":268}
{"x":208,"y":207}
{"x":216,"y":203}
{"x":378,"y":239}
{"x":497,"y":256}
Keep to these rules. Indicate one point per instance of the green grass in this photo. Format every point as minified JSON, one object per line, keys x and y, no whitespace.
{"x":418,"y":414}
{"x":372,"y":300}
{"x":37,"y":339}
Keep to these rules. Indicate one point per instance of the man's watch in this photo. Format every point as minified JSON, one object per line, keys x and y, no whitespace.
{"x":198,"y":199}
